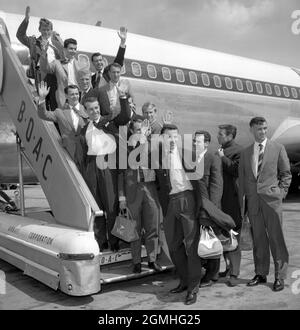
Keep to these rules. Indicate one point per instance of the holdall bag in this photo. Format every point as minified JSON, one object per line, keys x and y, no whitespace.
{"x":209,"y":245}
{"x":231,"y":242}
{"x":246,"y":239}
{"x":125,"y":227}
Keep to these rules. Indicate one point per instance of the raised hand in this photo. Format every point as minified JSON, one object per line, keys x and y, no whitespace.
{"x":27,"y":13}
{"x":43,"y":90}
{"x":146,"y":129}
{"x":168,"y":117}
{"x":122,"y":33}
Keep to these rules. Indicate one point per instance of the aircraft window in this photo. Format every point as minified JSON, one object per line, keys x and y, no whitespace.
{"x":228,"y":83}
{"x":205,"y":79}
{"x":249,"y":86}
{"x":277,"y":90}
{"x":268,"y":89}
{"x":286,"y":91}
{"x":239,"y":84}
{"x":136,"y":69}
{"x":217,"y":81}
{"x":193,"y":77}
{"x":151,"y":71}
{"x":259,"y":87}
{"x":166,"y":73}
{"x":180,"y":75}
{"x":294,"y":92}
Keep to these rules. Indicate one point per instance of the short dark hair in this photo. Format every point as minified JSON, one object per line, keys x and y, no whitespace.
{"x":170,"y":127}
{"x":229,"y":129}
{"x":69,"y":41}
{"x":95,"y":55}
{"x":90,"y":99}
{"x":135,"y":119}
{"x":66,"y":89}
{"x":257,"y":121}
{"x":116,"y":65}
{"x":46,"y":22}
{"x":207,"y":136}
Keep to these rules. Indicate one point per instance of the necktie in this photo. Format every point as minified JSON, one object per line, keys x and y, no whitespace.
{"x":260,"y":158}
{"x":98,"y":78}
{"x":141,"y":176}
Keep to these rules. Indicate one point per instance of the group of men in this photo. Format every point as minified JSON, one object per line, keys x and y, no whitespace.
{"x":91,"y":111}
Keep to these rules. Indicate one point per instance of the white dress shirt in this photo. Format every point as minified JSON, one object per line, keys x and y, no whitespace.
{"x":71,"y":73}
{"x":75,"y":116}
{"x":255,"y":155}
{"x":178,"y":177}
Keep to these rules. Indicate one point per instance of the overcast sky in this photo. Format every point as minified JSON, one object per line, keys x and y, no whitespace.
{"x":260,"y":29}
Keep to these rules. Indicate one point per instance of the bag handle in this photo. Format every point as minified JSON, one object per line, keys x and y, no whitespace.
{"x":126,"y":213}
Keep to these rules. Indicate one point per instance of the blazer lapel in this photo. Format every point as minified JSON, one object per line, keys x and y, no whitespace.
{"x":68,"y":116}
{"x":251,"y":159}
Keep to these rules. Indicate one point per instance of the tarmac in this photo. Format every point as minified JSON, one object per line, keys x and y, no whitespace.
{"x":20,"y":292}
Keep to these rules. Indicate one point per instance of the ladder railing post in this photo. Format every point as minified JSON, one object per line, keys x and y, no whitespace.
{"x":21,"y":182}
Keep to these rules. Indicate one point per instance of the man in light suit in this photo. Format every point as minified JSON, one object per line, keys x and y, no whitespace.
{"x":49,"y":42}
{"x":65,"y":70}
{"x":264,"y":179}
{"x":70,"y":119}
{"x":109,"y":94}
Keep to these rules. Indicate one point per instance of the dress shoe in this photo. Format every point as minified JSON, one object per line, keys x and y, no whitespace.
{"x":233,"y":281}
{"x":190,"y":298}
{"x":225,"y":273}
{"x":205,"y":283}
{"x":115,"y":247}
{"x":278,"y":285}
{"x":257,"y":279}
{"x":180,"y":288}
{"x":104,"y":246}
{"x":155,"y":266}
{"x":137,"y":268}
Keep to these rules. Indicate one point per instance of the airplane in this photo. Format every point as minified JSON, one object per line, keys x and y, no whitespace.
{"x":202,"y":88}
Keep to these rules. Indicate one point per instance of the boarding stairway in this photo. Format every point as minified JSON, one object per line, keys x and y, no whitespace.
{"x":70,"y":200}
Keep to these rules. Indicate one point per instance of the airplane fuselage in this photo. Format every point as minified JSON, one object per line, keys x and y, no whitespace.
{"x":202,"y":88}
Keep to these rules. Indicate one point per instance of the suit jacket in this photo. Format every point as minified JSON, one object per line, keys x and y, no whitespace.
{"x":164,"y":184}
{"x":34,"y":45}
{"x":273,"y":181}
{"x":230,"y":197}
{"x":60,"y":69}
{"x":65,"y":123}
{"x":118,"y":59}
{"x":101,"y":94}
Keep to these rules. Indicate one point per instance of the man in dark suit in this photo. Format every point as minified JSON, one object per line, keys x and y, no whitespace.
{"x":179,"y":205}
{"x":96,"y":143}
{"x":71,"y":119}
{"x":98,"y":78}
{"x":212,"y":188}
{"x":229,"y":154}
{"x":137,"y":191}
{"x":264,"y":179}
{"x":50,"y":42}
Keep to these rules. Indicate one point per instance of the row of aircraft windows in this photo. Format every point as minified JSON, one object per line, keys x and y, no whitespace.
{"x":216,"y":81}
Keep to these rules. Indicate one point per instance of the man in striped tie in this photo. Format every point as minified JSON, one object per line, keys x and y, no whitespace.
{"x":264,"y":179}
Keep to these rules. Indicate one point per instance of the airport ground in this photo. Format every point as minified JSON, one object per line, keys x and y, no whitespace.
{"x":152,"y":292}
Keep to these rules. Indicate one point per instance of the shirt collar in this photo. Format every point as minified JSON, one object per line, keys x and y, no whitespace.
{"x":256,"y":144}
